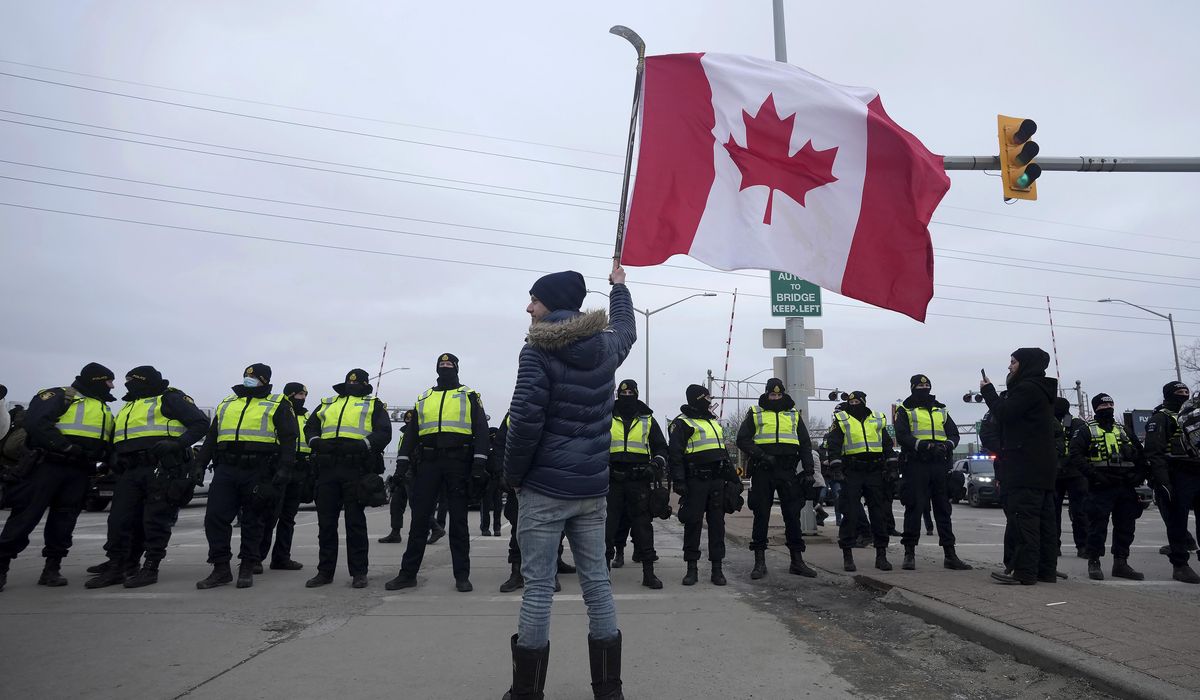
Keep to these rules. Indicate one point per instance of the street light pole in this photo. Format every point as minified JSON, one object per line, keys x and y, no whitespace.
{"x":1170,"y":320}
{"x":648,"y":313}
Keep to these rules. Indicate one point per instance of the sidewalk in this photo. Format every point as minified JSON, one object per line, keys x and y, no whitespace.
{"x":1133,"y":639}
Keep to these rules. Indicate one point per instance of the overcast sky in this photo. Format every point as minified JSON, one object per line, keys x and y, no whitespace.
{"x":477,"y":116}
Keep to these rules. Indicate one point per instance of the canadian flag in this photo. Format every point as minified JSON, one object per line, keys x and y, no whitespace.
{"x":746,"y":163}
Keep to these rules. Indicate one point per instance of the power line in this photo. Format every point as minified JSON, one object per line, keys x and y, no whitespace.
{"x":501,"y":267}
{"x":1040,"y":295}
{"x":1066,"y":223}
{"x":1068,"y":272}
{"x":456,"y":239}
{"x":331,"y":129}
{"x":292,"y":165}
{"x":1062,"y":264}
{"x":1054,"y":240}
{"x":315,"y":111}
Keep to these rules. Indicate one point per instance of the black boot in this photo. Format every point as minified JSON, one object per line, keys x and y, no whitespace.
{"x":515,"y":579}
{"x":245,"y":577}
{"x":4,"y":562}
{"x":463,"y":585}
{"x":393,"y":537}
{"x":910,"y":558}
{"x":146,"y":576}
{"x":402,"y":580}
{"x":220,"y":576}
{"x":799,"y":568}
{"x":848,"y":560}
{"x":1094,"y":572}
{"x":952,"y":562}
{"x":321,"y":579}
{"x":881,"y":561}
{"x":99,"y":568}
{"x":760,"y":565}
{"x":286,"y":565}
{"x":529,"y":672}
{"x":1185,"y":574}
{"x":51,"y":575}
{"x":605,"y":658}
{"x":111,"y":576}
{"x":649,"y":580}
{"x":1122,"y":569}
{"x":689,"y":579}
{"x":635,"y":557}
{"x":435,"y":535}
{"x":618,"y":558}
{"x":718,"y":576}
{"x":564,"y":567}
{"x":258,"y":568}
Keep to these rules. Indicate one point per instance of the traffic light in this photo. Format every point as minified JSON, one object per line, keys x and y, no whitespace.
{"x":1017,"y":169}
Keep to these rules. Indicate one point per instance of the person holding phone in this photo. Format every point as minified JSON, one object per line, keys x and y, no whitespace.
{"x":1025,"y":418}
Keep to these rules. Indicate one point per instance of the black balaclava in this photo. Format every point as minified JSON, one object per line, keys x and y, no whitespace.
{"x":1031,"y":363}
{"x":698,"y":400}
{"x":1103,"y":416}
{"x":355,"y":384}
{"x":1061,"y":407}
{"x":774,"y":384}
{"x":93,"y":382}
{"x":290,"y":390}
{"x":860,"y":410}
{"x":143,"y":382}
{"x":447,"y":377}
{"x":923,"y":395}
{"x":626,"y":406}
{"x":1171,"y":400}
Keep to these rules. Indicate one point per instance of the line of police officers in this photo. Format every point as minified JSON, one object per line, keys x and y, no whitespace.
{"x":268,"y":457}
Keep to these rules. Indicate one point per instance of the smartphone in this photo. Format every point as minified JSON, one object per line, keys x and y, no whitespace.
{"x":983,"y":374}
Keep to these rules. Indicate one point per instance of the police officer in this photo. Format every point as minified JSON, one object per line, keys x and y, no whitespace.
{"x":490,"y":504}
{"x":452,"y":435}
{"x":283,"y":517}
{"x":700,"y":469}
{"x":252,"y":445}
{"x":398,"y":486}
{"x":775,"y":439}
{"x":927,"y":436}
{"x":1175,"y":473}
{"x":1070,"y":481}
{"x":155,"y":430}
{"x":1103,"y":453}
{"x":73,"y":428}
{"x":860,"y":444}
{"x":348,"y":434}
{"x":637,"y":457}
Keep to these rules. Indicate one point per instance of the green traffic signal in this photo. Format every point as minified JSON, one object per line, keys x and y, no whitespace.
{"x":1032,"y":172}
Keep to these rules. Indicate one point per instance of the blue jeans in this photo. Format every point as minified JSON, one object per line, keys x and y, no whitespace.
{"x":541,"y":521}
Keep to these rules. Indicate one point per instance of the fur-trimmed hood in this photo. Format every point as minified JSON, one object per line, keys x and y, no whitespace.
{"x":571,"y":336}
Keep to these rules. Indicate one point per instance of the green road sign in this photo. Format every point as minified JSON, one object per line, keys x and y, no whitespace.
{"x":792,"y":296}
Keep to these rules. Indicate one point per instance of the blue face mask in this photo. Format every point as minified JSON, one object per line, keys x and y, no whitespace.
{"x":251,"y":382}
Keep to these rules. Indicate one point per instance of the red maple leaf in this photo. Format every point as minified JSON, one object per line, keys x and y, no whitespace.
{"x":765,"y":160}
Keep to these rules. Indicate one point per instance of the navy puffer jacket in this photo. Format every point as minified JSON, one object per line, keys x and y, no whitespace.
{"x":559,"y":428}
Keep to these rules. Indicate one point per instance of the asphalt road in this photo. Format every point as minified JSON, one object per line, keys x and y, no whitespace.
{"x":783,"y":637}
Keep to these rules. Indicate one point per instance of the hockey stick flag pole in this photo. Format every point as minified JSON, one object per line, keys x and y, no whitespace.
{"x":640,"y":46}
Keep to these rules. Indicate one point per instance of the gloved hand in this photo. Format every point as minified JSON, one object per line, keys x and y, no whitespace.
{"x":73,"y":451}
{"x":679,"y":487}
{"x":163,"y":448}
{"x":924,"y":446}
{"x":660,"y":464}
{"x":807,"y":480}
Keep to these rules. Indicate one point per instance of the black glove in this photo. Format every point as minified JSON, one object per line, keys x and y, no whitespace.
{"x":807,"y":480}
{"x":73,"y":451}
{"x":679,"y":487}
{"x":162,"y":448}
{"x":660,"y":465}
{"x":924,"y":446}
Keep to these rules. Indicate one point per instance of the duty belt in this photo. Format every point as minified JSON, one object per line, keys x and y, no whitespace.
{"x":435,"y":452}
{"x":711,"y":470}
{"x":245,"y":460}
{"x":630,"y":472}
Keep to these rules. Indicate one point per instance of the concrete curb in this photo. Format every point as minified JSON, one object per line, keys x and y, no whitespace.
{"x":1029,"y":648}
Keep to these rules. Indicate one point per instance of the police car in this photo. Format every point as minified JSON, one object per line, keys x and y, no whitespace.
{"x":977,"y":478}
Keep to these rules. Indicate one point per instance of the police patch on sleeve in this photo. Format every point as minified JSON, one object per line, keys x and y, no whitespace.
{"x":1152,"y":427}
{"x":46,"y":395}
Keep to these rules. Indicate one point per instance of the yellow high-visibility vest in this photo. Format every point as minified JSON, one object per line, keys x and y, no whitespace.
{"x":144,"y":418}
{"x":634,"y":440}
{"x":1106,"y":446}
{"x":346,"y":416}
{"x":86,"y":417}
{"x":706,"y":435}
{"x":775,"y":427}
{"x":926,"y":423}
{"x":301,"y":444}
{"x":860,"y":437}
{"x":248,"y":419}
{"x":447,"y":411}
